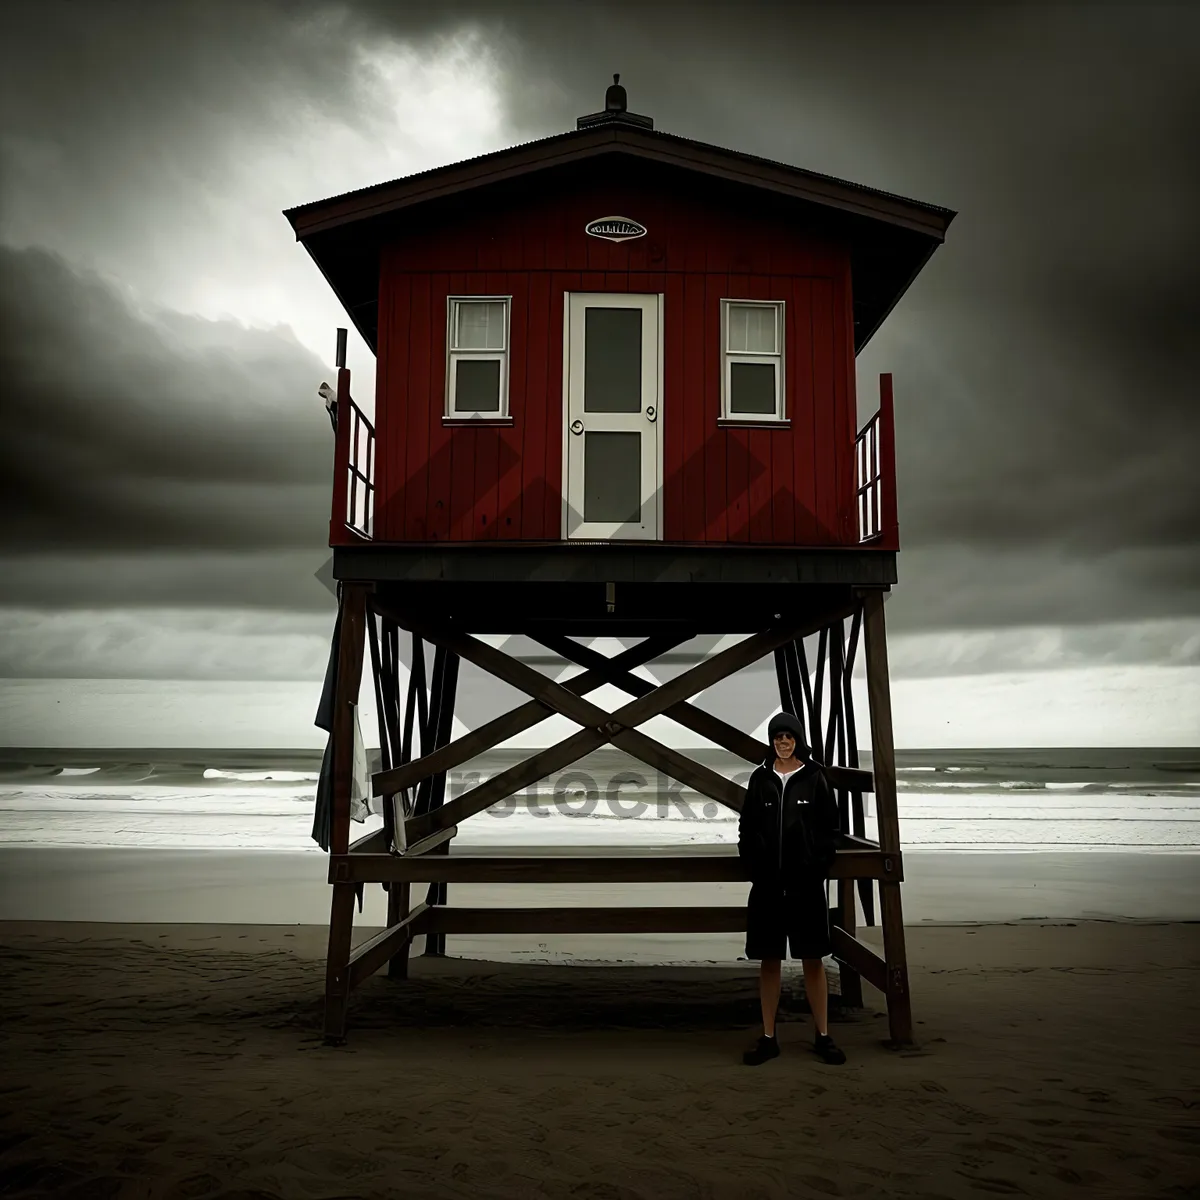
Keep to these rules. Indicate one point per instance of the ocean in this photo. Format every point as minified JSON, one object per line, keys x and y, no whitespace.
{"x":1140,"y":799}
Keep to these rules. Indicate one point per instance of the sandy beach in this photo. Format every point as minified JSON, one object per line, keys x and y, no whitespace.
{"x":1052,"y":1059}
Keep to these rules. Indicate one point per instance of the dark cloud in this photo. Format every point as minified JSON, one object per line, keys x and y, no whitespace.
{"x":1046,"y":410}
{"x":132,"y":90}
{"x":137,"y":433}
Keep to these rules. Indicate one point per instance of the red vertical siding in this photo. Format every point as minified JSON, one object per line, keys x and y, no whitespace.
{"x":782,"y":449}
{"x":791,"y":485}
{"x":736,"y":442}
{"x":532,"y":433}
{"x":845,"y":405}
{"x":415,"y":450}
{"x":716,"y":489}
{"x":804,"y":443}
{"x":824,"y":428}
{"x":689,"y":410}
{"x":442,"y":446}
{"x":673,"y":417}
{"x":386,"y":413}
{"x":509,"y":468}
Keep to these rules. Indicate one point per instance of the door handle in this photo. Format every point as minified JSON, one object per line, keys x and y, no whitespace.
{"x":650,"y":413}
{"x":576,"y":426}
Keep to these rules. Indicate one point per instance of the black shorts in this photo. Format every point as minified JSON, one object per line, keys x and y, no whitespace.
{"x":796,"y":918}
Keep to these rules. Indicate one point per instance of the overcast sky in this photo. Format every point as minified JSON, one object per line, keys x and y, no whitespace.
{"x":163,"y":335}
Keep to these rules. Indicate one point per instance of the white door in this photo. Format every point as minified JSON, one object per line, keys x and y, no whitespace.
{"x":612,"y":456}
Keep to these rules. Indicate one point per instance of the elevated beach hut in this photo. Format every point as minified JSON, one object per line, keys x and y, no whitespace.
{"x":615,"y":396}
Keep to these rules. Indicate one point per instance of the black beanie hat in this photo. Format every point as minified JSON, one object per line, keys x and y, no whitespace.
{"x":786,"y":722}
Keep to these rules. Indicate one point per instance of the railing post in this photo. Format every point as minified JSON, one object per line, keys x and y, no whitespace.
{"x":889,"y":518}
{"x":341,"y":460}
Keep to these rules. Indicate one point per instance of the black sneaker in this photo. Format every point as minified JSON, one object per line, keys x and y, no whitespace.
{"x":764,"y":1048}
{"x":825,"y":1049}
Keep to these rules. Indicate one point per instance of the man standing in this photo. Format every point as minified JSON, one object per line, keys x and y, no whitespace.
{"x":787,"y":836}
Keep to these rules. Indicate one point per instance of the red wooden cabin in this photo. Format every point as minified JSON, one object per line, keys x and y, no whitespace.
{"x":618,"y":334}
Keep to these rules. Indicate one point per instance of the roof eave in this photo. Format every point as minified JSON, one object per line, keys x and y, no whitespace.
{"x":380,"y":199}
{"x":861,"y":342}
{"x":370,"y":337}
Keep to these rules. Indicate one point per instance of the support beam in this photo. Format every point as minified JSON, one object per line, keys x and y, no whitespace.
{"x":425,"y":845}
{"x":399,"y":907}
{"x":372,"y":954}
{"x":865,"y":894}
{"x":864,"y":961}
{"x":375,"y":842}
{"x":847,"y":919}
{"x":883,"y":760}
{"x":721,"y":918}
{"x":442,"y":722}
{"x":589,"y":868}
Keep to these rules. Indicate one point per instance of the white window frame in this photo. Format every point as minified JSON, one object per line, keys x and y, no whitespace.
{"x":453,"y":355}
{"x":778,"y":360}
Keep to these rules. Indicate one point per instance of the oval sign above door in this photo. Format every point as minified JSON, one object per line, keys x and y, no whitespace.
{"x":615,"y":229}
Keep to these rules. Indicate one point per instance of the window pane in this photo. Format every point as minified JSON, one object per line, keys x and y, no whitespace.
{"x":477,"y":385}
{"x":612,"y":477}
{"x":480,"y":325}
{"x":612,"y":367}
{"x":752,"y":388}
{"x":752,"y":329}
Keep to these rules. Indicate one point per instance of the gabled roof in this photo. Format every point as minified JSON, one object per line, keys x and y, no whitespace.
{"x":897,"y":235}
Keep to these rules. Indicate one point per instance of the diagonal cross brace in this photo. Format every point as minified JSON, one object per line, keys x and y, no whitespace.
{"x":687,"y":714}
{"x":696,"y":719}
{"x":604,"y":727}
{"x":482,"y":739}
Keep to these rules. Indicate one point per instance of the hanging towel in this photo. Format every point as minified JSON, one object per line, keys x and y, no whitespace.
{"x":322,"y":831}
{"x":360,"y":777}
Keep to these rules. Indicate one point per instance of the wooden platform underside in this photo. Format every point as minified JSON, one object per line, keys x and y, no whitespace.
{"x":594,"y":590}
{"x":612,"y":562}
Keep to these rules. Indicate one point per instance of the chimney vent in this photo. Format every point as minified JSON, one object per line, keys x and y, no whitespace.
{"x":615,"y":111}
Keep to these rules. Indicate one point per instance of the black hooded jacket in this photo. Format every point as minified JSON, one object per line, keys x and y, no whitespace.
{"x":788,"y":830}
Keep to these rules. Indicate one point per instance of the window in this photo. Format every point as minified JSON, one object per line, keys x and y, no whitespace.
{"x":752,"y":362}
{"x":477,"y":358}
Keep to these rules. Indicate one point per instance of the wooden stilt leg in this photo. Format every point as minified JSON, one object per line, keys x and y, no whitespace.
{"x":883,"y":763}
{"x":898,"y":1000}
{"x":851,"y":981}
{"x":399,"y":899}
{"x":441,"y":713}
{"x":337,"y":966}
{"x":341,"y":915}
